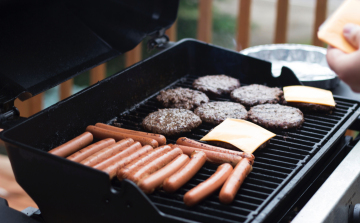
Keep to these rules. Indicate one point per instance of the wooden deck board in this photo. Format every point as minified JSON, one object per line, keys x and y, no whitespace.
{"x":10,"y":189}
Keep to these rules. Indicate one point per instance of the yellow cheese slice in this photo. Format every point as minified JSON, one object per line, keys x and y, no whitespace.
{"x":308,"y":95}
{"x":332,"y":30}
{"x":242,"y":134}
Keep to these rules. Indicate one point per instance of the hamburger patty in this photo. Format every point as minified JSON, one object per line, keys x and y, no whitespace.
{"x":311,"y":107}
{"x":182,"y":98}
{"x":216,"y":84}
{"x":217,"y":112}
{"x":276,"y":116}
{"x":171,"y":121}
{"x":256,"y":94}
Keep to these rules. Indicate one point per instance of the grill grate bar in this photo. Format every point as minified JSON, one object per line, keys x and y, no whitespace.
{"x":234,"y":209}
{"x":277,"y":162}
{"x":311,"y":131}
{"x":289,"y":148}
{"x":289,"y":144}
{"x":341,"y":107}
{"x":326,"y":119}
{"x":334,"y":116}
{"x":256,"y":186}
{"x":252,"y":193}
{"x":277,"y":157}
{"x":300,"y":136}
{"x":242,"y":203}
{"x":319,"y":122}
{"x":308,"y":123}
{"x":212,"y":205}
{"x":339,"y":112}
{"x":344,"y":103}
{"x":263,"y":182}
{"x":196,"y":215}
{"x":268,"y":177}
{"x":281,"y":169}
{"x":243,"y":197}
{"x":293,"y":140}
{"x":285,"y":153}
{"x":258,"y":169}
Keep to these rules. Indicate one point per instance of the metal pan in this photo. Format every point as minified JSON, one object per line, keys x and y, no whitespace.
{"x":308,"y":62}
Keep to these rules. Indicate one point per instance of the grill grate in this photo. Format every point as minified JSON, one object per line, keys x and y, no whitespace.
{"x":273,"y":167}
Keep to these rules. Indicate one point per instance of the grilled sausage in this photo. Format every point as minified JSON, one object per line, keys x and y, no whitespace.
{"x":184,"y":174}
{"x":101,"y":133}
{"x":107,"y":152}
{"x":233,"y":183}
{"x":154,"y":165}
{"x":211,"y":156}
{"x":121,"y":155}
{"x":192,"y":143}
{"x":150,"y":183}
{"x":73,"y":145}
{"x":141,"y":161}
{"x":89,"y":150}
{"x":207,"y":187}
{"x":112,"y":169}
{"x":159,"y":138}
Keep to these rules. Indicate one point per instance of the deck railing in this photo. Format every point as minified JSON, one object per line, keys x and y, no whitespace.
{"x":204,"y":33}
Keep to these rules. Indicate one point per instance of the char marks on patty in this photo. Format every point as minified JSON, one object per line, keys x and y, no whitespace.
{"x":217,"y":112}
{"x":171,"y":121}
{"x":216,"y":84}
{"x":182,"y":98}
{"x":256,"y":94}
{"x":276,"y":116}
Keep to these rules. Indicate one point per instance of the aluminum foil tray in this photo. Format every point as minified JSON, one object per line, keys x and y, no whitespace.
{"x":308,"y":62}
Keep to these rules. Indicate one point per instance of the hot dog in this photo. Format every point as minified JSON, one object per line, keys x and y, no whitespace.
{"x":150,"y":183}
{"x":121,"y":155}
{"x":73,"y":145}
{"x":101,"y":133}
{"x":207,"y":187}
{"x":192,"y":143}
{"x":107,"y":152}
{"x":112,"y":169}
{"x":141,"y":161}
{"x":233,"y":183}
{"x":184,"y":174}
{"x":211,"y":156}
{"x":89,"y":150}
{"x":154,"y":165}
{"x":159,"y":138}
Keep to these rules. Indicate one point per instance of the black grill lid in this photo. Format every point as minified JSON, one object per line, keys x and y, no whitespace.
{"x":44,"y":43}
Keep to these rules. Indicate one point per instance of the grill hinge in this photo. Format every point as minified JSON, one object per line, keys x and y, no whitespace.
{"x":159,"y":40}
{"x":11,"y":114}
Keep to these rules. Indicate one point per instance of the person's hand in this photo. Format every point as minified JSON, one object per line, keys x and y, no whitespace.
{"x":347,"y":66}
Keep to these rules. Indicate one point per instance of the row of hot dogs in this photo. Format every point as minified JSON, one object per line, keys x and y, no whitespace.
{"x":145,"y":159}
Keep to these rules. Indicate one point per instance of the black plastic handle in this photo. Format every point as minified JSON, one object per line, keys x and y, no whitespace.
{"x":10,"y":118}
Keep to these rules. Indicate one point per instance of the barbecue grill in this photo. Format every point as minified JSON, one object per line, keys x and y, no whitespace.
{"x":66,"y":191}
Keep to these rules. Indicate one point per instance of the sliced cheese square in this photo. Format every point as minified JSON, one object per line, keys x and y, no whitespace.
{"x":332,"y":30}
{"x":308,"y":95}
{"x":242,"y":134}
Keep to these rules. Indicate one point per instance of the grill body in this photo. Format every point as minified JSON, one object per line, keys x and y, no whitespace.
{"x":70,"y":192}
